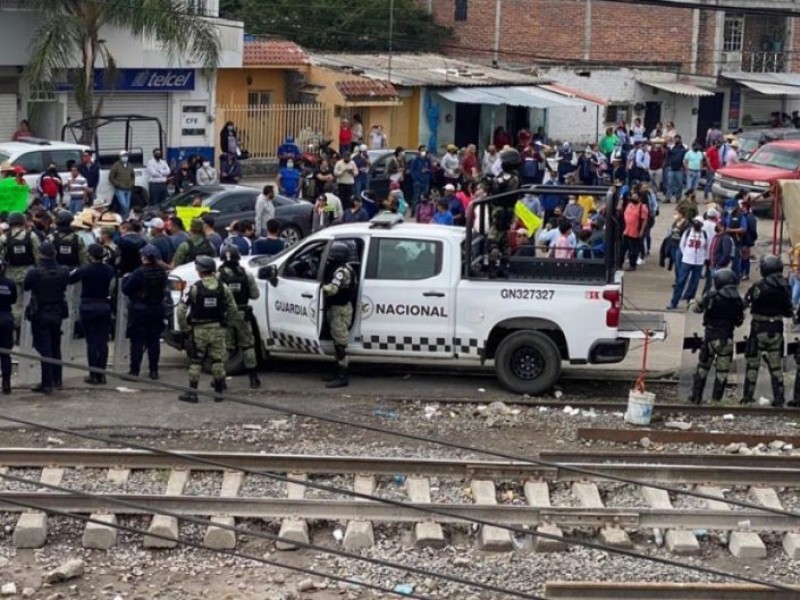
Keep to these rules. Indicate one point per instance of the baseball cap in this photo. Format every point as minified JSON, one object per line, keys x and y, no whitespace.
{"x":712,"y":213}
{"x":451,"y":147}
{"x":450,"y":187}
{"x":698,"y":219}
{"x":123,"y":153}
{"x":151,"y":252}
{"x":47,"y":249}
{"x":156,"y":223}
{"x":362,"y":148}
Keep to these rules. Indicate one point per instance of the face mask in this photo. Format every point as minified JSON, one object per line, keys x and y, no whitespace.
{"x":53,"y":170}
{"x":697,"y":226}
{"x":230,"y":127}
{"x":290,"y":164}
{"x":157,"y":156}
{"x":423,"y":154}
{"x":206,"y":165}
{"x":124,"y":160}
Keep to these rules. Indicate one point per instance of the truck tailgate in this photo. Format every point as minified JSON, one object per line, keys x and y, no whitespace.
{"x":638,"y":325}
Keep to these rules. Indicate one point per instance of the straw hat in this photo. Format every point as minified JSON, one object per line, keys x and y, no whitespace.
{"x":78,"y":223}
{"x":110,"y":219}
{"x":735,"y":143}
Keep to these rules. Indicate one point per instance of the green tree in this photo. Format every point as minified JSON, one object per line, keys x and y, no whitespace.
{"x":70,"y":33}
{"x":341,"y":25}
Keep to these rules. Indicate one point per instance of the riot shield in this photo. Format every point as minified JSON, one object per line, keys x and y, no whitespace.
{"x":122,"y":347}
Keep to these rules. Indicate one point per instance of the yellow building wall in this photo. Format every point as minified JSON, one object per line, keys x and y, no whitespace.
{"x":232,"y":86}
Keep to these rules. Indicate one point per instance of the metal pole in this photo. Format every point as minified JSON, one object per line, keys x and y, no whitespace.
{"x":391,"y":39}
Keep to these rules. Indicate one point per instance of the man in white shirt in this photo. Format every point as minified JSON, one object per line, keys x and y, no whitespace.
{"x":694,"y":247}
{"x":157,"y":173}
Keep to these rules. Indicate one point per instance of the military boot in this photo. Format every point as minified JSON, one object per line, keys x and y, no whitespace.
{"x":698,"y":385}
{"x":92,"y":379}
{"x":749,"y":390}
{"x":6,"y":385}
{"x":341,"y":379}
{"x":719,"y":391}
{"x":255,"y":382}
{"x":795,"y":401}
{"x":154,"y":374}
{"x":219,"y":387}
{"x":190,"y":397}
{"x":778,"y":393}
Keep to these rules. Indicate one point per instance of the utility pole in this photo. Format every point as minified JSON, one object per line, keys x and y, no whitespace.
{"x":391,"y":39}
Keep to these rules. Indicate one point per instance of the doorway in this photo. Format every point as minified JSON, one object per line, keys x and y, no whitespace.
{"x":710,"y":112}
{"x":468,"y":124}
{"x":652,"y":116}
{"x":517,"y":117}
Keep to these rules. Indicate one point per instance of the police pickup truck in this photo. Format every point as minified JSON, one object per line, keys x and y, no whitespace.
{"x":430,"y":294}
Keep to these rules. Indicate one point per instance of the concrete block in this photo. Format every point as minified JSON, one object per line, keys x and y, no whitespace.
{"x":218,"y":538}
{"x":681,"y":542}
{"x":118,"y":476}
{"x":616,"y":537}
{"x":295,"y":530}
{"x":494,"y":539}
{"x":162,"y":525}
{"x":656,"y":498}
{"x":297,"y":491}
{"x":51,"y":476}
{"x":428,"y":534}
{"x":483,"y":492}
{"x":587,"y":494}
{"x":177,"y":481}
{"x":364,"y":484}
{"x":537,"y":493}
{"x":418,"y":490}
{"x":766,"y":497}
{"x":30,"y":531}
{"x":100,"y":537}
{"x":746,"y":544}
{"x":713,"y":491}
{"x":231,"y":484}
{"x":791,"y":545}
{"x":358,"y":535}
{"x":547,"y":545}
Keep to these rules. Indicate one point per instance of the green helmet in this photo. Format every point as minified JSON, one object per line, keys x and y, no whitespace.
{"x":205,"y":264}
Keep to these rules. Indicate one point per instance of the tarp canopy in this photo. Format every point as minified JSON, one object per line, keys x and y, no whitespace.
{"x":530,"y":95}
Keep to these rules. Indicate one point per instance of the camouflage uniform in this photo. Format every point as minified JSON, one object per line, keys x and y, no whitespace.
{"x":770,"y":301}
{"x":339,"y":292}
{"x":240,"y":333}
{"x":196,"y":245}
{"x":208,"y":335}
{"x":724,"y":310}
{"x":17,"y":273}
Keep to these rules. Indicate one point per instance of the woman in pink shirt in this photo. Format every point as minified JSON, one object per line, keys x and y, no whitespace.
{"x":562,"y":246}
{"x":466,"y":194}
{"x":635,"y":217}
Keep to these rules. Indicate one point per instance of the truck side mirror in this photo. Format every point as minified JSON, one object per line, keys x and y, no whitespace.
{"x":269,"y":273}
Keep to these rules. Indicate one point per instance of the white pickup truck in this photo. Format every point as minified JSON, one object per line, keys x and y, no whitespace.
{"x":418,"y":303}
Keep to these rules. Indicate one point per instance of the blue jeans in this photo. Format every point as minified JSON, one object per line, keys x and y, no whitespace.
{"x":692,"y":179}
{"x":362,"y":183}
{"x":419,"y":187}
{"x":709,"y":184}
{"x":674,"y":184}
{"x":690,"y":274}
{"x":124,"y":200}
{"x":75,"y":205}
{"x":677,"y":260}
{"x":736,"y":264}
{"x":48,"y":203}
{"x":794,"y":281}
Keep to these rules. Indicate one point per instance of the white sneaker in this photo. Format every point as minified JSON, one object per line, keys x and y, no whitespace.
{"x":640,"y":262}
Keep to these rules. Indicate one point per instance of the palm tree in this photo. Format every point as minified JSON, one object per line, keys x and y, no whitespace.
{"x":69,"y":33}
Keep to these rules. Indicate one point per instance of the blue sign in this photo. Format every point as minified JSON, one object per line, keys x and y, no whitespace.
{"x":140,"y":80}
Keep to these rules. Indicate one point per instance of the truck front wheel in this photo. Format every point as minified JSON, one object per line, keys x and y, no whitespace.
{"x":527,"y":362}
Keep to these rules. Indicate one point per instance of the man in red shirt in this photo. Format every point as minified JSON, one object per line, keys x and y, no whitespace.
{"x":713,"y":162}
{"x":469,"y":165}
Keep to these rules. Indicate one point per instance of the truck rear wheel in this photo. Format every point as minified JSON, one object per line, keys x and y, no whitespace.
{"x":528,"y":362}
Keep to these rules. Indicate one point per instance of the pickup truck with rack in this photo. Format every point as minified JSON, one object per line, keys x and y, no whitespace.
{"x":436,"y":295}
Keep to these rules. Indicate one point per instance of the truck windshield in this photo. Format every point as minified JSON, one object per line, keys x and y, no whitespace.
{"x":787,"y":159}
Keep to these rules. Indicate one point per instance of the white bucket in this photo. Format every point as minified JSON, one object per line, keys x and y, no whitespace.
{"x":640,"y":407}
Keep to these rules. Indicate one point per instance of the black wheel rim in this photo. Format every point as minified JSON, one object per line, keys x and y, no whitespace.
{"x":290,"y":236}
{"x":527,"y":363}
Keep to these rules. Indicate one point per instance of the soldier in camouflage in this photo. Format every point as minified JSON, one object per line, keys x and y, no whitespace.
{"x":21,"y":253}
{"x":243,"y":287}
{"x":724,"y":311}
{"x":339,"y":293}
{"x":770,"y":300}
{"x":202,"y":314}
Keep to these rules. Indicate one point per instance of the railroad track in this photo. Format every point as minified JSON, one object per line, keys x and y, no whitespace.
{"x":550,"y":498}
{"x":596,"y":590}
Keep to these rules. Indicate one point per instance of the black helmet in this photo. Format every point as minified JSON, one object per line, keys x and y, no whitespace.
{"x":770,"y":264}
{"x":510,"y":160}
{"x":16,"y":219}
{"x":63,"y":218}
{"x":725,"y":277}
{"x":205,"y":264}
{"x":339,"y":252}
{"x":96,"y":251}
{"x":230,"y":254}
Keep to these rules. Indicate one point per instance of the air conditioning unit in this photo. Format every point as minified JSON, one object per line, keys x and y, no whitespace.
{"x":730,"y":61}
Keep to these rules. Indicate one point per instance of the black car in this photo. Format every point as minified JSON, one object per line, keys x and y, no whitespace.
{"x":379,"y":177}
{"x":231,"y":203}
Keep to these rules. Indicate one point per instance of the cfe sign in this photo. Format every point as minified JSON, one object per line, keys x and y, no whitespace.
{"x":193,"y":119}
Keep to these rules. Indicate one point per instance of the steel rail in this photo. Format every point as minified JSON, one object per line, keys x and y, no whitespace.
{"x":334,"y":510}
{"x":678,"y":468}
{"x":597,"y":590}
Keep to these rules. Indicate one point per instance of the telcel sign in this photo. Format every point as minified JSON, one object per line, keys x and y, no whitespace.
{"x":140,"y":80}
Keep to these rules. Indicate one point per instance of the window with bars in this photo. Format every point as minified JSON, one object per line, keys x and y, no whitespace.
{"x":733,"y":33}
{"x":258,"y":98}
{"x":196,"y":7}
{"x":461,"y":10}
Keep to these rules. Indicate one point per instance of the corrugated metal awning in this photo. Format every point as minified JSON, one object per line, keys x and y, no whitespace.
{"x":771,"y":89}
{"x":532,"y":96}
{"x":768,"y":84}
{"x":570,"y":92}
{"x":681,"y":88}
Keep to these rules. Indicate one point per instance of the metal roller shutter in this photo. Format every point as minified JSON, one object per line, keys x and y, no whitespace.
{"x":8,"y":115}
{"x":760,"y":107}
{"x":144,"y":136}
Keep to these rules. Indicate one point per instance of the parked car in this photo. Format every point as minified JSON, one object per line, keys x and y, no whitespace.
{"x":236,"y":202}
{"x":759,"y":175}
{"x":379,"y":177}
{"x":753,"y":139}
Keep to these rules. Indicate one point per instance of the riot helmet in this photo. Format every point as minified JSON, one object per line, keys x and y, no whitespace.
{"x":339,"y":252}
{"x":205,"y":264}
{"x":725,"y":277}
{"x":230,"y":254}
{"x":770,"y":264}
{"x":510,"y":160}
{"x":64,"y":218}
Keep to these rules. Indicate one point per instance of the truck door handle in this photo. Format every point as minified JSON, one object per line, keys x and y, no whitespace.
{"x":307,"y":295}
{"x":433,"y":294}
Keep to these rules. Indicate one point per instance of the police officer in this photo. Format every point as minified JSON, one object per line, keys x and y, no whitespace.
{"x":21,"y":253}
{"x":197,"y":245}
{"x":46,"y":309}
{"x":70,"y":249}
{"x":8,"y":297}
{"x":723,"y":310}
{"x":770,"y":300}
{"x":95,"y":310}
{"x":202,"y":314}
{"x":339,"y":293}
{"x":145,"y":289}
{"x":243,"y":287}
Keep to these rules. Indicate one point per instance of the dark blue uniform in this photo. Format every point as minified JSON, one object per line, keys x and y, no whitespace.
{"x":47,"y":309}
{"x":8,"y":297}
{"x":95,"y":312}
{"x":145,"y":288}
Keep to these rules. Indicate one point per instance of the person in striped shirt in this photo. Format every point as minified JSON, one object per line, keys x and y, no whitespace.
{"x":78,"y":190}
